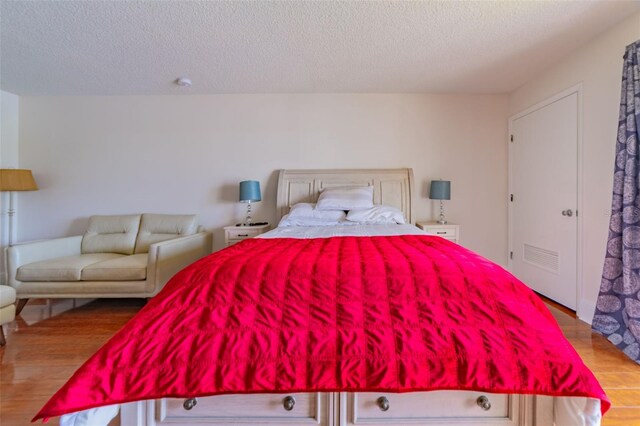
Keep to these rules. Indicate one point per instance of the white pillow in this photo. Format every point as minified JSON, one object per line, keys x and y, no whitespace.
{"x":346,"y":198}
{"x":287,"y":220}
{"x":377,"y":215}
{"x":309,"y":210}
{"x":305,"y":214}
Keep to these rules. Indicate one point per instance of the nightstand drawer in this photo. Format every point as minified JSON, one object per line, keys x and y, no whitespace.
{"x":448,"y":231}
{"x":235,"y":234}
{"x":242,"y":233}
{"x":443,"y":232}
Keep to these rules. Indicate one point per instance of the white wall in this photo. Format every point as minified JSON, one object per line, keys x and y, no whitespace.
{"x":9,"y":113}
{"x":598,"y":66}
{"x":186,"y":154}
{"x":9,"y":104}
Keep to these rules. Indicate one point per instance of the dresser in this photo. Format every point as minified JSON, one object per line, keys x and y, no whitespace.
{"x":450,"y":231}
{"x":235,"y":234}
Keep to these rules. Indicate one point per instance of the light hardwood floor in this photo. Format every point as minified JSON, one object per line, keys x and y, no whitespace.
{"x":51,"y":339}
{"x":617,"y":374}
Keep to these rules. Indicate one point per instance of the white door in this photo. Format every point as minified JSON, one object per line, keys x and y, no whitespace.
{"x":544,"y":183}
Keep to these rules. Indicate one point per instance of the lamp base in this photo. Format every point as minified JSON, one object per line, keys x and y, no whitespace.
{"x":442,"y":221}
{"x":10,"y":213}
{"x":247,"y":221}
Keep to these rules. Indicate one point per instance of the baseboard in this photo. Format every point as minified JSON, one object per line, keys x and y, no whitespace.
{"x":586,"y":308}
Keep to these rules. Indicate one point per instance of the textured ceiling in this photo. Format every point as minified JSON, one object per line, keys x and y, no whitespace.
{"x":135,"y":47}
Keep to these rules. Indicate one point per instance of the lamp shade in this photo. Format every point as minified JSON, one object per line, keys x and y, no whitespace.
{"x":250,"y":191}
{"x":440,"y":190}
{"x":17,"y":180}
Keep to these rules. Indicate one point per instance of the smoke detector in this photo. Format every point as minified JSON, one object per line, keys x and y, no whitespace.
{"x":183,"y":82}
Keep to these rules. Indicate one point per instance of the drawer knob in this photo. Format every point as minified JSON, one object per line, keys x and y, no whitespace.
{"x":243,"y":235}
{"x":383,"y":403}
{"x":189,"y":403}
{"x":483,"y":402}
{"x":288,"y":403}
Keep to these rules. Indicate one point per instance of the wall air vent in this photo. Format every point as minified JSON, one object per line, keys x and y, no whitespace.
{"x":542,"y":258}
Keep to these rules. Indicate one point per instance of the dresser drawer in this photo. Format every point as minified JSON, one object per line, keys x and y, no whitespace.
{"x":250,"y":409}
{"x":428,"y":408}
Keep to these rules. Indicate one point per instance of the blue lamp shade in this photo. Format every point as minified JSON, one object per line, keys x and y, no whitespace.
{"x":440,"y":190}
{"x":250,"y":191}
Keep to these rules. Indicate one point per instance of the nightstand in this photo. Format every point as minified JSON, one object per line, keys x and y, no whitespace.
{"x":450,"y":231}
{"x":235,"y":234}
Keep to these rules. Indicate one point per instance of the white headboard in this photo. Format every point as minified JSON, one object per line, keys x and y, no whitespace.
{"x":391,"y":187}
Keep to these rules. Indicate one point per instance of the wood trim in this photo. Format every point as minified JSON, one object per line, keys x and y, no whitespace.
{"x":556,"y":305}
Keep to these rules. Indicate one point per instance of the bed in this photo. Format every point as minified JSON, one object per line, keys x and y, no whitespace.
{"x":363,"y":375}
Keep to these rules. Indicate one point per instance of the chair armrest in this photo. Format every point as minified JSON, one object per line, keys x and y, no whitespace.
{"x":168,"y":257}
{"x":22,"y":254}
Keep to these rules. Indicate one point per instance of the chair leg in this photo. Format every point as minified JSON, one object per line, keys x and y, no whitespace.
{"x":2,"y":339}
{"x":20,"y":304}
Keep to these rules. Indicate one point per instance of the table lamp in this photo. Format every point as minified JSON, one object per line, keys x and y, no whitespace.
{"x":249,"y":191}
{"x":15,"y":180}
{"x":440,"y":190}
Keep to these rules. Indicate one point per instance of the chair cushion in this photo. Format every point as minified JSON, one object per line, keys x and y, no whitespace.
{"x":7,"y":295}
{"x":67,"y":268}
{"x":7,"y":313}
{"x":125,"y":268}
{"x":161,"y":227}
{"x":111,"y":234}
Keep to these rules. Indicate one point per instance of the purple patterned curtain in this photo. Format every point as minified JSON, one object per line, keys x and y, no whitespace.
{"x":618,"y":308}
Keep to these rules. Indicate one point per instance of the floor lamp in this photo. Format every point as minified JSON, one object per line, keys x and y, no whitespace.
{"x":15,"y":180}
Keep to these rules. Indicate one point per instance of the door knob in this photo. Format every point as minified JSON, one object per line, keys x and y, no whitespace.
{"x":567,"y":212}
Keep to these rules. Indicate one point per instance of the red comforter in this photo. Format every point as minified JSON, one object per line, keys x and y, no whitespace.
{"x":400,"y":314}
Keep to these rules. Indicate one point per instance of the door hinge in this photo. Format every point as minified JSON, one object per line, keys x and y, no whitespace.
{"x":510,"y":255}
{"x":511,"y":198}
{"x":511,"y":138}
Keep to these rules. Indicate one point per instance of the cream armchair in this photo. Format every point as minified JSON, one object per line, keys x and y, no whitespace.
{"x":118,"y":256}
